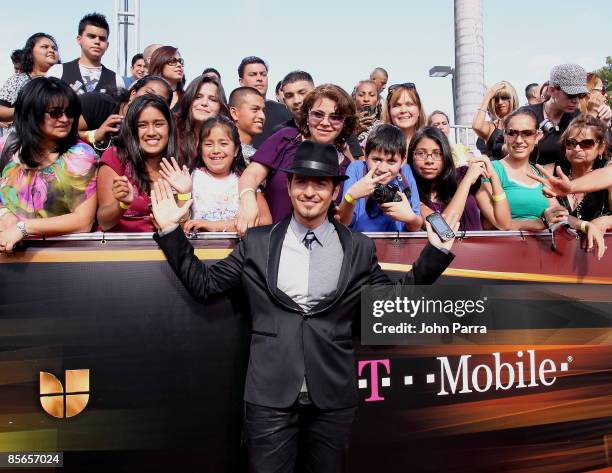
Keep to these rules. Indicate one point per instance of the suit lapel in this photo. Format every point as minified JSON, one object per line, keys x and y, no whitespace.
{"x":277,"y":236}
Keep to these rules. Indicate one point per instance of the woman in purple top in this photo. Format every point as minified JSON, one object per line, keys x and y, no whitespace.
{"x":327,"y":116}
{"x":456,"y":191}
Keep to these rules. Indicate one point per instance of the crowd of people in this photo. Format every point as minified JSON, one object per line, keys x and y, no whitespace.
{"x":83,"y":147}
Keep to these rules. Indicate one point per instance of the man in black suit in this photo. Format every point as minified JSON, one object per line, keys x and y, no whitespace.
{"x":303,"y":279}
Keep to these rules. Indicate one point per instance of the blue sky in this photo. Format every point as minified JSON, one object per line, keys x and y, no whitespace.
{"x":340,"y":41}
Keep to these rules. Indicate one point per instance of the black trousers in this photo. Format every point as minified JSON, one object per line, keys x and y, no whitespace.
{"x":301,"y":438}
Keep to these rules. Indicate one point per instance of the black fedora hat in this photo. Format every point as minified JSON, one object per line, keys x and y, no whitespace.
{"x":316,"y":160}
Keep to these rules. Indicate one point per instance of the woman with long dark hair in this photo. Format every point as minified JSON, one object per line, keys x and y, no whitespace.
{"x":201,"y":101}
{"x":104,"y":112}
{"x":144,"y":153}
{"x":38,"y":55}
{"x":168,"y":63}
{"x":456,"y":192}
{"x":47,"y":177}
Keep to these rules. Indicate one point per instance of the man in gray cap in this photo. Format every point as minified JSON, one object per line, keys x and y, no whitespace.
{"x":568,"y":85}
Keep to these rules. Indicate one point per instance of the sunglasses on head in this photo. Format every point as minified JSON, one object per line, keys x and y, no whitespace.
{"x":175,"y":60}
{"x":57,"y":113}
{"x":585,"y":145}
{"x":511,"y":132}
{"x":407,"y":85}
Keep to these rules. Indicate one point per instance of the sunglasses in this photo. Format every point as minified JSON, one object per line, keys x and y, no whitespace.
{"x":57,"y":113}
{"x":317,"y":116}
{"x":585,"y":145}
{"x":575,"y":96}
{"x":512,"y":133}
{"x":407,"y":85}
{"x":174,"y":61}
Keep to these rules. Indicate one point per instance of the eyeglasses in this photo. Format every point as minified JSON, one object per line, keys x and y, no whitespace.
{"x":499,"y":98}
{"x":585,"y":145}
{"x":317,"y":116}
{"x":57,"y":113}
{"x":512,"y":133}
{"x":422,"y":155}
{"x":407,"y":85}
{"x":175,"y":60}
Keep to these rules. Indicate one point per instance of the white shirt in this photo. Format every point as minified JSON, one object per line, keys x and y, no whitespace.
{"x":214,"y":198}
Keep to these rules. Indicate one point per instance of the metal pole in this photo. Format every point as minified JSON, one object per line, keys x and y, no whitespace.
{"x":116,"y":40}
{"x":469,"y":58}
{"x":125,"y":36}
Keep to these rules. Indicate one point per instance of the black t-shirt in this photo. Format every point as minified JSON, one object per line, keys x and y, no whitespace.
{"x":97,"y":107}
{"x":276,"y":114}
{"x":549,"y":149}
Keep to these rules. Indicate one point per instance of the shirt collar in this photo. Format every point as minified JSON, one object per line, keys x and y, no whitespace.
{"x":321,"y":232}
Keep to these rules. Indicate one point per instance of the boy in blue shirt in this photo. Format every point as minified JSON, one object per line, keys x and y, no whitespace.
{"x":385,"y":164}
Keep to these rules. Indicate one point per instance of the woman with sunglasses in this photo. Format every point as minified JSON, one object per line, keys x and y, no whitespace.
{"x":47,"y":177}
{"x":456,"y":193}
{"x":143,"y":153}
{"x":168,"y":63}
{"x":327,"y":116}
{"x":596,"y":99}
{"x":586,"y":149}
{"x":39,"y":54}
{"x":499,"y":101}
{"x":529,"y":208}
{"x":403,"y":108}
{"x":203,"y":99}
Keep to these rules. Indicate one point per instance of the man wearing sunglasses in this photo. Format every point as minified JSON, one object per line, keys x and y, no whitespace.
{"x":87,"y":74}
{"x":568,"y":84}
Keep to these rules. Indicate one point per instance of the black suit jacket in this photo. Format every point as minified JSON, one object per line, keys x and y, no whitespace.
{"x":288,"y":343}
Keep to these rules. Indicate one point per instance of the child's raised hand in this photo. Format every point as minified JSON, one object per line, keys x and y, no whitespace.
{"x":178,"y":178}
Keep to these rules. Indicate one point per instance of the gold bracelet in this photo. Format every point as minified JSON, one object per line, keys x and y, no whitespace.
{"x":244,"y":191}
{"x":350,"y":199}
{"x":584,"y":225}
{"x":184,"y":197}
{"x":124,"y":206}
{"x":498,"y":198}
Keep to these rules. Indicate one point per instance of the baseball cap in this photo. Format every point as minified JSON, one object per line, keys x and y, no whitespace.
{"x":570,"y":78}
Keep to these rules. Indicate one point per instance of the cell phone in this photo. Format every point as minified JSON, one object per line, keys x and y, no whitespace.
{"x":367,"y":109}
{"x":439,"y":225}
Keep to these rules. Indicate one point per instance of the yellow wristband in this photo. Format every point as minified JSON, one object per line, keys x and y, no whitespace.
{"x":184,"y":197}
{"x":583,"y":226}
{"x":244,"y":191}
{"x":498,"y":198}
{"x":124,"y":206}
{"x":91,"y":136}
{"x":350,"y":199}
{"x":4,"y":211}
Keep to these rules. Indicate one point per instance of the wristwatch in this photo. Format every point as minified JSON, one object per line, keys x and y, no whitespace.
{"x":22,"y":228}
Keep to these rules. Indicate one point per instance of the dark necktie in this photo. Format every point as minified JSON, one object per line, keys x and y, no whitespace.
{"x":308,"y":239}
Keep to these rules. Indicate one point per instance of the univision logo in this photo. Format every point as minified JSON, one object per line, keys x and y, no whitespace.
{"x":61,"y":403}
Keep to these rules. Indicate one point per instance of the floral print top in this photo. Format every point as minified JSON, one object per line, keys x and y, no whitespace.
{"x":51,"y":191}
